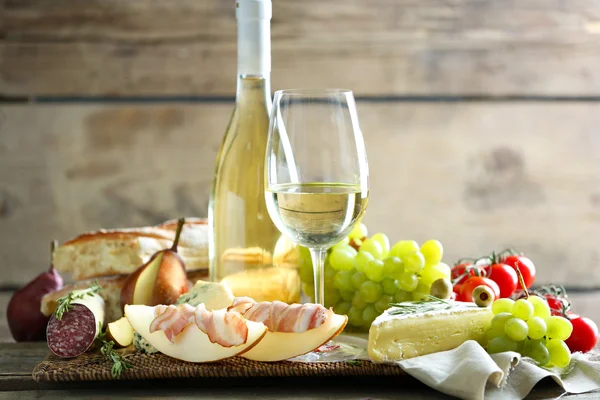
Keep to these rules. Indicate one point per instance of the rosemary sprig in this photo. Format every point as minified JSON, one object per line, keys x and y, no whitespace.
{"x":119,"y":364}
{"x":65,"y":302}
{"x":431,"y":303}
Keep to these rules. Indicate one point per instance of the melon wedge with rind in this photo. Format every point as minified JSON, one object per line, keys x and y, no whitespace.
{"x":191,"y":344}
{"x":277,"y":346}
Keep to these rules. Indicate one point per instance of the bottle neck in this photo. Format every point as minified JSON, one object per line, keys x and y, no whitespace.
{"x":254,"y":37}
{"x":256,"y":88}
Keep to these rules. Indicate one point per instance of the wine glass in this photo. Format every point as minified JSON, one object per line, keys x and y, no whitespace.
{"x":317,"y":176}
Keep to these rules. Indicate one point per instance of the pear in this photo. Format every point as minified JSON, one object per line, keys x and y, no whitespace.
{"x":25,"y":320}
{"x":160,"y":281}
{"x":120,"y":332}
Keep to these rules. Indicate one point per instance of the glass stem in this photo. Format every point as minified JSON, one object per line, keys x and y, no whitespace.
{"x":318,"y":262}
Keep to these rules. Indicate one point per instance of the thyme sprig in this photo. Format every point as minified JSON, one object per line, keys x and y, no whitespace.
{"x":65,"y":303}
{"x":107,"y":350}
{"x":431,"y":303}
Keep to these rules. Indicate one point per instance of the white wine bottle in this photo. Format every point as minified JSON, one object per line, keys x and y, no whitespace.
{"x":242,"y":235}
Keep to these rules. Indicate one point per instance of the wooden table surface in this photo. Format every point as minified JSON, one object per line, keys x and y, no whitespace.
{"x":17,"y":361}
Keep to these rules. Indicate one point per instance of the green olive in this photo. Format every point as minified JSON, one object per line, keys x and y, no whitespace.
{"x":441,"y":288}
{"x":483,"y":296}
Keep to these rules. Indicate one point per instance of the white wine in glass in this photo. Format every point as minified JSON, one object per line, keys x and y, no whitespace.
{"x":317,"y":185}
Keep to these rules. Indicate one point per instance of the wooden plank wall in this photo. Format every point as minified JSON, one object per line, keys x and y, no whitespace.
{"x":151,"y":47}
{"x":481,"y":117}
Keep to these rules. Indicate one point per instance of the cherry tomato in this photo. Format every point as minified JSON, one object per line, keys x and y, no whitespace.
{"x":505,"y":276}
{"x":525,"y":266}
{"x":456,"y":288}
{"x":584,"y":336}
{"x":558,"y":305}
{"x":466,"y":292}
{"x":464,"y":271}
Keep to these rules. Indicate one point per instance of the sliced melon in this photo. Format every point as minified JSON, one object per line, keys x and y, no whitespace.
{"x":277,"y":346}
{"x":191,"y":344}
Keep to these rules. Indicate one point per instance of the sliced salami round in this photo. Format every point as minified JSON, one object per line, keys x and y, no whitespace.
{"x":74,"y":333}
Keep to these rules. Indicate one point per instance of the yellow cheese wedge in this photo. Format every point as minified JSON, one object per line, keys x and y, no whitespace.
{"x":398,"y":337}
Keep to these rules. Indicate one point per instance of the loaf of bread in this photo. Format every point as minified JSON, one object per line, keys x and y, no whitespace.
{"x":111,"y":293}
{"x":122,"y":251}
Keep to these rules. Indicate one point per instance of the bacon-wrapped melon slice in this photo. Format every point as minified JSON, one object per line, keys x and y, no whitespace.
{"x":193,"y":333}
{"x":293,"y":330}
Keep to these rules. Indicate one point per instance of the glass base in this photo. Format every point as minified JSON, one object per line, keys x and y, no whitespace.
{"x":334,"y":351}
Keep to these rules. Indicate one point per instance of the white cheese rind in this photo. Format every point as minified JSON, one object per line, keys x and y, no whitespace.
{"x":398,"y":337}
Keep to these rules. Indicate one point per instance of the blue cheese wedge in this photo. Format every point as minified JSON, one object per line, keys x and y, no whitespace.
{"x":214,"y":296}
{"x":141,"y":344}
{"x":413,"y":330}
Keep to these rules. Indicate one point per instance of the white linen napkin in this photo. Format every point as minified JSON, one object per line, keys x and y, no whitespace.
{"x":469,"y":372}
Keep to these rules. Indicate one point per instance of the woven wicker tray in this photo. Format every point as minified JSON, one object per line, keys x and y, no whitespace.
{"x":94,"y":367}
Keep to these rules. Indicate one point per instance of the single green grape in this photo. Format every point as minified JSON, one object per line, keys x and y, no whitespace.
{"x":341,"y":260}
{"x":343,"y":280}
{"x":383,"y":303}
{"x":540,"y":307}
{"x":358,"y":301}
{"x":309,"y":290}
{"x":369,"y":314}
{"x":392,"y":266}
{"x":355,"y":316}
{"x":502,"y":306}
{"x":402,"y":296}
{"x":328,"y":276}
{"x":305,"y":267}
{"x":358,"y":278}
{"x":342,"y":307}
{"x":384,"y":241}
{"x":347,"y":295}
{"x":558,"y":327}
{"x":414,"y":262}
{"x":373,"y":247}
{"x":408,"y":281}
{"x":421,"y":292}
{"x":345,"y":246}
{"x":497,"y":326}
{"x":404,"y":247}
{"x":516,"y":329}
{"x":359,"y":231}
{"x":370,"y":291}
{"x":560,"y":355}
{"x":501,"y":344}
{"x":362,"y":260}
{"x":522,"y":309}
{"x":389,"y":286}
{"x":432,"y":251}
{"x":332,"y":296}
{"x":537,"y":350}
{"x":432,"y":273}
{"x":374,"y":271}
{"x":537,"y":327}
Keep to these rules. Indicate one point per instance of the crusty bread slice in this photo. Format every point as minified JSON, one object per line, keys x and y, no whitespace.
{"x":122,"y":251}
{"x":111,"y":293}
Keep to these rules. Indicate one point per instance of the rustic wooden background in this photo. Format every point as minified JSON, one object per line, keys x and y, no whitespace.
{"x":481,"y":118}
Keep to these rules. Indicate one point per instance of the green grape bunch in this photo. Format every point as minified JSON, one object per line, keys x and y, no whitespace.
{"x":363,"y":274}
{"x":526,"y":326}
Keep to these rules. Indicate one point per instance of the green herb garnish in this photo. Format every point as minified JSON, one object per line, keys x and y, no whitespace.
{"x":119,"y":364}
{"x":353,"y":362}
{"x":431,"y":303}
{"x":65,"y":302}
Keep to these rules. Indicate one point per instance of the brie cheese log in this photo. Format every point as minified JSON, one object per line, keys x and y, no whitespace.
{"x":397,"y":337}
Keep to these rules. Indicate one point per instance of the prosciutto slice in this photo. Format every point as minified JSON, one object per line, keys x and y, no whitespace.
{"x":282,"y":317}
{"x":227,"y":328}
